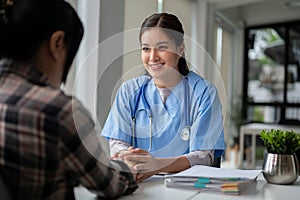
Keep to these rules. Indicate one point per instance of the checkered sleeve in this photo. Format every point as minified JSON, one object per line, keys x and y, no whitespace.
{"x":86,"y":161}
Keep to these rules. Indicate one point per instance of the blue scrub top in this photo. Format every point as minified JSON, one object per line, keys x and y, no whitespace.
{"x":193,"y":102}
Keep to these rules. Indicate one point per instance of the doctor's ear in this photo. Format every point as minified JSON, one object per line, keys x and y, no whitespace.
{"x":57,"y":45}
{"x":180,"y":49}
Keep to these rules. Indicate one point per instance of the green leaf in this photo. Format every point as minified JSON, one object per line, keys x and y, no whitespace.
{"x":280,"y":142}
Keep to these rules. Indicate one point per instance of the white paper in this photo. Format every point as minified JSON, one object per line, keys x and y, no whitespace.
{"x":219,"y":173}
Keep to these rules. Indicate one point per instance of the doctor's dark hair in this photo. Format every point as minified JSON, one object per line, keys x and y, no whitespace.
{"x":26,"y":24}
{"x":173,"y":28}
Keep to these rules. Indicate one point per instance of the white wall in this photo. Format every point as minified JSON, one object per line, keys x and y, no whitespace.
{"x":82,"y":78}
{"x":85,"y":82}
{"x":183,"y":10}
{"x":135,"y":13}
{"x":199,"y":21}
{"x":73,"y":3}
{"x":110,"y":54}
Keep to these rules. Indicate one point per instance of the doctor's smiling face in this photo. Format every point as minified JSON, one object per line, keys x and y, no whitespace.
{"x":160,"y":56}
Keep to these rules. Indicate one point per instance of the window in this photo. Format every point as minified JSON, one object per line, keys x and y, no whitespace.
{"x":272,"y":73}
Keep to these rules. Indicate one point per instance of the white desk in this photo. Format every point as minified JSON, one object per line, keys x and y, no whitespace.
{"x":155,"y":189}
{"x":254,"y":129}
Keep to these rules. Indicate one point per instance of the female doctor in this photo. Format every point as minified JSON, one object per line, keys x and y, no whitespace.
{"x":171,"y":118}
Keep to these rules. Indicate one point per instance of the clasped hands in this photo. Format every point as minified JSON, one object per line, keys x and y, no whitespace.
{"x":140,"y":161}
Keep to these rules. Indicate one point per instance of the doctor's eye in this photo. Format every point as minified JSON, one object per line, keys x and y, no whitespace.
{"x":145,"y":49}
{"x":162,"y":48}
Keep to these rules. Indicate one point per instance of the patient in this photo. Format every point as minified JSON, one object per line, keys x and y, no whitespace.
{"x":43,"y":132}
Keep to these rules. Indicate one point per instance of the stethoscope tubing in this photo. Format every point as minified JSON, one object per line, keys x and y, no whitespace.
{"x":148,"y":111}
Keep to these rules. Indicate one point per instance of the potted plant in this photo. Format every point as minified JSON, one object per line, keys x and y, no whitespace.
{"x":280,"y":163}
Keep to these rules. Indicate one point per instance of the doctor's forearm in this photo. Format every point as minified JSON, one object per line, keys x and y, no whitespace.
{"x":116,"y":146}
{"x":172,"y":165}
{"x":202,"y":157}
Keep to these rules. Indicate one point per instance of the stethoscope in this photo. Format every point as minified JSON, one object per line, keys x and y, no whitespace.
{"x":185,"y":132}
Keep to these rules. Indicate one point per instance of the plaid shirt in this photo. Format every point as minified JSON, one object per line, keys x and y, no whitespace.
{"x":48,"y":143}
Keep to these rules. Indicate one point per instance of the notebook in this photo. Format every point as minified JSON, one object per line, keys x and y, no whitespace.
{"x":198,"y":177}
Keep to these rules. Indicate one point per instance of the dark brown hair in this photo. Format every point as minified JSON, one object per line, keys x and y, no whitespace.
{"x":25,"y":24}
{"x":173,"y":28}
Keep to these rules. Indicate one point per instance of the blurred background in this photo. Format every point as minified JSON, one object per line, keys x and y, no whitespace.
{"x":254,"y":45}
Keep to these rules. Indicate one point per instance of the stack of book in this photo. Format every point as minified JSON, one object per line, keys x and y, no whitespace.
{"x":228,"y":181}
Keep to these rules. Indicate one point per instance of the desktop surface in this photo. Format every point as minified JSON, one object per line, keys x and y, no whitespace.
{"x":154,"y":188}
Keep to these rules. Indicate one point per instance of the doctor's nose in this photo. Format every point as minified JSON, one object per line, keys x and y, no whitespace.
{"x":154,"y":55}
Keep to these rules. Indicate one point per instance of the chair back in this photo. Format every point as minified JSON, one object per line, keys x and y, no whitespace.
{"x":217,"y":162}
{"x":4,"y":191}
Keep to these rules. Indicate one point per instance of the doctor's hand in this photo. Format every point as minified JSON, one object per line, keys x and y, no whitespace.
{"x":142,"y":162}
{"x":120,"y":154}
{"x":130,"y":151}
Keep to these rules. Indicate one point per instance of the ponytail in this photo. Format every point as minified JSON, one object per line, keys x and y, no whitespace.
{"x":183,"y":68}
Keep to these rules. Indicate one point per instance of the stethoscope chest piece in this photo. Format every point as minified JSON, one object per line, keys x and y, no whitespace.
{"x":185,"y":133}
